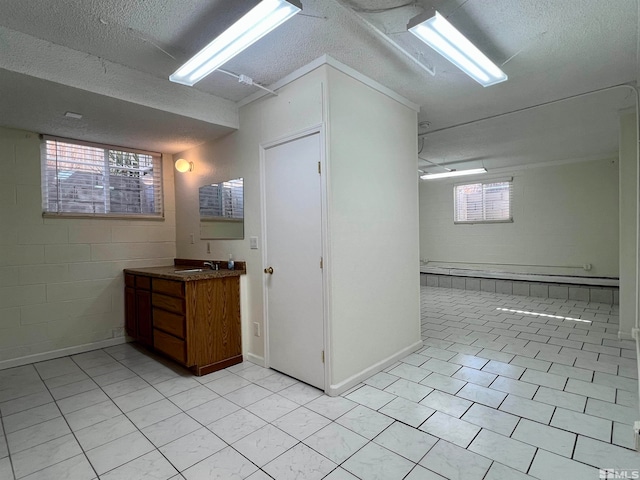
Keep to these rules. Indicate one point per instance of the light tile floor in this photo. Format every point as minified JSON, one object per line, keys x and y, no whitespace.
{"x":503,"y":389}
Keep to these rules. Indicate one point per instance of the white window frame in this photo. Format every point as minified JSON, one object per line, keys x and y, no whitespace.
{"x":49,"y":167}
{"x":508,"y":180}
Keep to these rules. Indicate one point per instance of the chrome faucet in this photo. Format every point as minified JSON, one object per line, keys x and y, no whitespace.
{"x":213,"y":266}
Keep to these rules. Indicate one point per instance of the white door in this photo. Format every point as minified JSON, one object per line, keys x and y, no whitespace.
{"x":293,"y":249}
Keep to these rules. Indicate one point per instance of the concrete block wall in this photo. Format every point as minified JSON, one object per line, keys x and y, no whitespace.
{"x":61,"y":282}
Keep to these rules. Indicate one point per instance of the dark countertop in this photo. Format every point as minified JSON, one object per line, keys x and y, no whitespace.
{"x":169,"y":273}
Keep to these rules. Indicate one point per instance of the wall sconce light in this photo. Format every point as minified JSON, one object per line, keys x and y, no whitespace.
{"x":183,"y":165}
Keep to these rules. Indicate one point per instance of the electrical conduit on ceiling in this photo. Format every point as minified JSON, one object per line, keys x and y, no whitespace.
{"x":380,"y":34}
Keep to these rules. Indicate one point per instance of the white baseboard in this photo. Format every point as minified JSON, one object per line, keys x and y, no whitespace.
{"x":624,"y":336}
{"x":250,"y":357}
{"x":63,"y":352}
{"x":335,"y":390}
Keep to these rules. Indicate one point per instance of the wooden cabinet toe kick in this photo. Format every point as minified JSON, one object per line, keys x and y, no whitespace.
{"x":214,"y":367}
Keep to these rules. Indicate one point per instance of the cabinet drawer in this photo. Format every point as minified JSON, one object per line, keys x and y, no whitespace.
{"x":143,"y":282}
{"x":165,"y":302}
{"x":169,"y":322}
{"x":129,"y":280}
{"x":169,"y":345}
{"x":168,"y":287}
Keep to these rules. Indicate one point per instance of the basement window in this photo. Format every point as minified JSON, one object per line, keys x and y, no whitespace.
{"x":487,"y":202}
{"x":92,"y":180}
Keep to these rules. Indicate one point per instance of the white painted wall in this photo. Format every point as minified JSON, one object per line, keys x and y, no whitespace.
{"x":61,"y":282}
{"x":628,"y":222}
{"x":373,"y":226}
{"x":564,"y":215}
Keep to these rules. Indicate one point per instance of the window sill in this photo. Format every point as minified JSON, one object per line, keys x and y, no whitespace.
{"x":106,"y":216}
{"x":483,"y":221}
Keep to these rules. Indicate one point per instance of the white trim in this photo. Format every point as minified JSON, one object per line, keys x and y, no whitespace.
{"x":332,"y":62}
{"x":263,"y":234}
{"x":335,"y":390}
{"x":291,"y":137}
{"x":63,"y":352}
{"x":250,"y":357}
{"x":353,"y":73}
{"x":325,"y":181}
{"x":625,"y":336}
{"x":318,"y":129}
{"x":287,"y":79}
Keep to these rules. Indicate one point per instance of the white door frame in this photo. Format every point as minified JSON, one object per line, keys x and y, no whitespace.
{"x":324,"y":202}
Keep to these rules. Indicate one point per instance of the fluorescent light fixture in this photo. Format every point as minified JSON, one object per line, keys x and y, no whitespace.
{"x":259,"y":21}
{"x":76,"y":116}
{"x":453,"y":173}
{"x":444,"y":38}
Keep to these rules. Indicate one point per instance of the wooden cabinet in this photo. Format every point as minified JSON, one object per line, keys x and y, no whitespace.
{"x":143,"y":313}
{"x":195,"y":322}
{"x":130,"y":320}
{"x":138,"y":322}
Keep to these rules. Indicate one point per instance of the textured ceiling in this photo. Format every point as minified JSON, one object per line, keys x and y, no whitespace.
{"x":105,"y":119}
{"x":549,"y":133}
{"x":550,"y":49}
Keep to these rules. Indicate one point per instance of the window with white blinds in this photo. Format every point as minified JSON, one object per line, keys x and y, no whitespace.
{"x":488,"y":202}
{"x":86,"y":179}
{"x":223,"y":200}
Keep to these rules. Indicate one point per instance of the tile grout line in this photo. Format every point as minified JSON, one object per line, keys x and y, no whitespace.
{"x":228,"y":445}
{"x":450,"y":343}
{"x":123,"y":413}
{"x":6,"y":440}
{"x":127,"y":417}
{"x":69,"y":426}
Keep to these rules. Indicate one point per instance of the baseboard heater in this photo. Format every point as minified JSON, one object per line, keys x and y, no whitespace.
{"x":525,"y":277}
{"x":567,"y":287}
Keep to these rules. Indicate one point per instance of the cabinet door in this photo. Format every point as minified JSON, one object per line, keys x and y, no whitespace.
{"x":130,"y":324}
{"x":143,"y":310}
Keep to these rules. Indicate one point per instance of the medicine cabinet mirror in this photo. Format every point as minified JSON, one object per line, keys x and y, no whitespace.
{"x":222,"y":210}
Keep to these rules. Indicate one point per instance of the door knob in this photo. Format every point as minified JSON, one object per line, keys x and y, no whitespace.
{"x":269,"y":270}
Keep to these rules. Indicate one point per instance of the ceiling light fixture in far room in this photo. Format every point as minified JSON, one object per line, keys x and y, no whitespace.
{"x":453,"y":173}
{"x":260,"y":20}
{"x":184,"y":166}
{"x":444,"y":38}
{"x":75,"y":116}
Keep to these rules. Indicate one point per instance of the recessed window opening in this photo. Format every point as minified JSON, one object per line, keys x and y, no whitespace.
{"x":87,"y":179}
{"x":483,"y":202}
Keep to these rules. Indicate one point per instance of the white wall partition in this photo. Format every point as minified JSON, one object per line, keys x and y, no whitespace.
{"x":372,"y":314}
{"x":373,"y":221}
{"x":628,"y":222}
